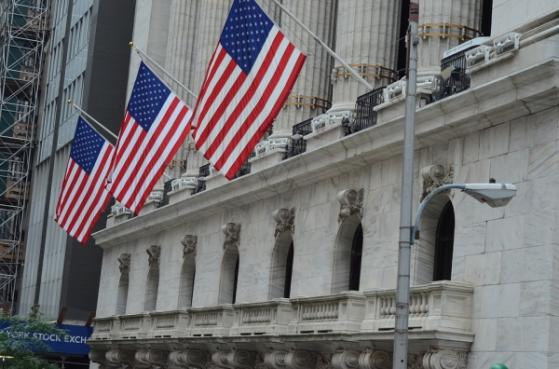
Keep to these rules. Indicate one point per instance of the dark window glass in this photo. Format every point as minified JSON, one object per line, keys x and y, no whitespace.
{"x":444,"y":244}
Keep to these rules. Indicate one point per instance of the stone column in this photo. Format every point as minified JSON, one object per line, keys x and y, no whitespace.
{"x":310,"y":95}
{"x":209,"y":20}
{"x":444,"y":24}
{"x":367,"y":38}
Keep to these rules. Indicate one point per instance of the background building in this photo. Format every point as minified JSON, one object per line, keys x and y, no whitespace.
{"x":293,"y":264}
{"x":86,"y":61}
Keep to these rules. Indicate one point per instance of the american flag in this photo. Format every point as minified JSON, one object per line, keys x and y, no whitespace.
{"x":249,"y":77}
{"x":83,"y":196}
{"x":156,"y":124}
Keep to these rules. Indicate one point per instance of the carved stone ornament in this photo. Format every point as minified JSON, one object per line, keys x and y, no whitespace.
{"x":189,"y":243}
{"x":415,"y":361}
{"x":119,"y":358}
{"x":297,"y":359}
{"x":150,"y":359}
{"x":237,"y":359}
{"x":124,"y":263}
{"x":351,"y":203}
{"x":345,"y":360}
{"x":375,"y":360}
{"x":97,"y":356}
{"x":154,"y":251}
{"x":445,"y":359}
{"x":434,"y":176}
{"x":191,"y":358}
{"x":285,"y":220}
{"x":232,"y":233}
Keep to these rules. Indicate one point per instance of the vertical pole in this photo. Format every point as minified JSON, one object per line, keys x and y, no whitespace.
{"x":400,"y":355}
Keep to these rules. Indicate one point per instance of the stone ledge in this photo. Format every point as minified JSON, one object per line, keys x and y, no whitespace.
{"x":490,"y":104}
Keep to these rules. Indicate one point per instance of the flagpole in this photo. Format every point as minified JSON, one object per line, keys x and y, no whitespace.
{"x":145,"y":56}
{"x":93,"y":119}
{"x":356,"y":75}
{"x":102,"y":126}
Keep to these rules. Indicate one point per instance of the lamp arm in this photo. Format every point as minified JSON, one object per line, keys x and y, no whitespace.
{"x":423,"y":204}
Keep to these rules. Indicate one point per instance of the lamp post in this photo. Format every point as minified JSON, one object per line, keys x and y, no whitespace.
{"x":492,"y":194}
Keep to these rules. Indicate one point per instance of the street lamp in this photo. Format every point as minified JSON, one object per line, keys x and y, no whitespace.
{"x":492,"y":194}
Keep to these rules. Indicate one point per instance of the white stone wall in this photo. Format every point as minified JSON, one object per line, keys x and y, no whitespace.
{"x":510,"y":14}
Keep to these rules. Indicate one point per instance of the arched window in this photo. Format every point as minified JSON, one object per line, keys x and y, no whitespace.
{"x":186,"y":283}
{"x":123,"y":282}
{"x":432,"y":253}
{"x":347,"y":255}
{"x":282,"y":266}
{"x":229,"y":276}
{"x":152,"y":286}
{"x":444,"y":244}
{"x":355,"y":262}
{"x":122,"y":295}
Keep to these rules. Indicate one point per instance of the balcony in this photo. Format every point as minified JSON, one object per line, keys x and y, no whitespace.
{"x":298,"y":143}
{"x":266,"y":318}
{"x":436,"y":307}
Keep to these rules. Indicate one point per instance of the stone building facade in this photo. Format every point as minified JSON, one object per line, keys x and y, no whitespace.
{"x":293,"y":265}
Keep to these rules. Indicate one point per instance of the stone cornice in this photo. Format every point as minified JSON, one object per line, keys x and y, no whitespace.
{"x":484,"y":106}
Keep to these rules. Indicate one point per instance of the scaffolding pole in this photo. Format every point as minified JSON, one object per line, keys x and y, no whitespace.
{"x":23,"y":30}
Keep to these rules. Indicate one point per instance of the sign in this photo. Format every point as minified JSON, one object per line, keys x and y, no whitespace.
{"x":73,"y":343}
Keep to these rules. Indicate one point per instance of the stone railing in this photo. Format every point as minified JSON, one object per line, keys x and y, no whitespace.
{"x":438,"y":306}
{"x":444,"y":305}
{"x":266,"y":318}
{"x":211,"y":321}
{"x":339,"y":313}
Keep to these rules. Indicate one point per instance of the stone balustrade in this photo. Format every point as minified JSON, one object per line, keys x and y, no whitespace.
{"x":438,"y":306}
{"x":266,"y":318}
{"x":341,"y":313}
{"x":445,"y":306}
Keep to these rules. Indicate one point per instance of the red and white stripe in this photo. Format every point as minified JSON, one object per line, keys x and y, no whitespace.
{"x":83,"y":197}
{"x":142,"y":156}
{"x":235,"y":109}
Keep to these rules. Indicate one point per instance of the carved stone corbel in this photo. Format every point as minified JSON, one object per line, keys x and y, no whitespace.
{"x":285,"y":220}
{"x":445,"y":359}
{"x":124,"y":263}
{"x":154,"y":251}
{"x":434,"y":176}
{"x":190,"y":358}
{"x":234,"y":359}
{"x":119,"y":358}
{"x":189,"y":243}
{"x":232,"y":235}
{"x":98,"y":356}
{"x":345,"y":360}
{"x":375,"y":360}
{"x":351,"y":203}
{"x":296,"y":359}
{"x":150,"y":359}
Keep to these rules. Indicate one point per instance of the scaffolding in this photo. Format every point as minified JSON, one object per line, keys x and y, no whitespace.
{"x":23,"y":28}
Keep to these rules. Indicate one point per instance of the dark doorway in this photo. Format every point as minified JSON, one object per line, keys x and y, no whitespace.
{"x":288,"y":272}
{"x":486,"y":14}
{"x":235,"y":280}
{"x":355,"y":263}
{"x":444,"y":244}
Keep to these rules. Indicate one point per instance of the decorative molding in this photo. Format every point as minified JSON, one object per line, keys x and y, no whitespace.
{"x":119,"y":357}
{"x":434,"y":176}
{"x":97,"y":356}
{"x":285,"y":220}
{"x":297,"y":359}
{"x":191,"y":358}
{"x":154,"y":252}
{"x":124,"y":263}
{"x":370,"y":359}
{"x":236,"y":359}
{"x":351,"y":203}
{"x":189,"y":243}
{"x":346,"y":360}
{"x":445,"y":359}
{"x":232,"y":235}
{"x":150,"y":359}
